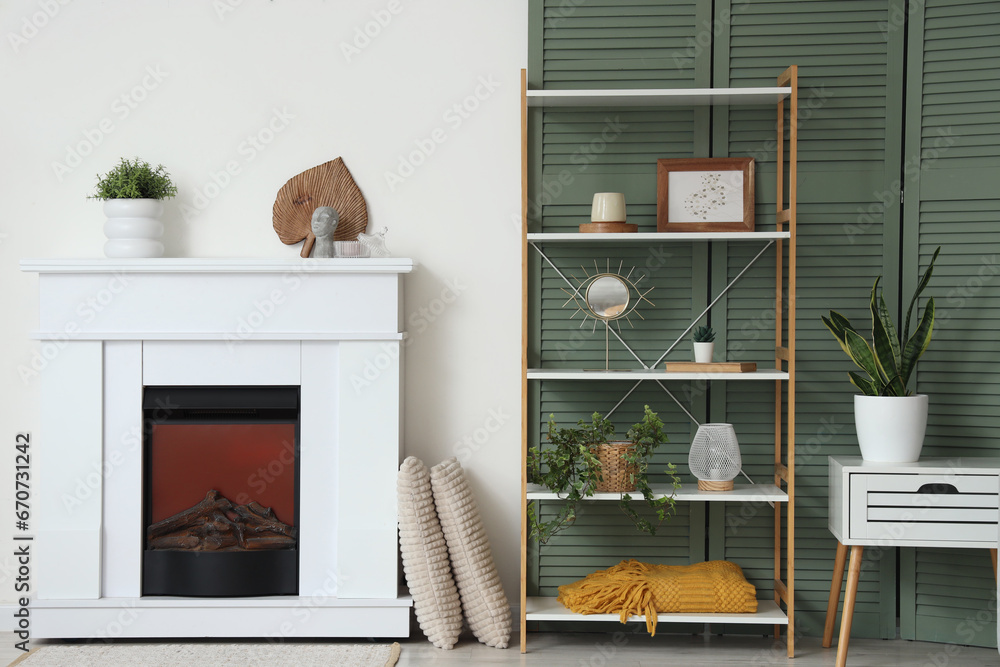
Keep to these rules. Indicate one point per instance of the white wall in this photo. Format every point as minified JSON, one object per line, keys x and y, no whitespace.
{"x":187,"y":82}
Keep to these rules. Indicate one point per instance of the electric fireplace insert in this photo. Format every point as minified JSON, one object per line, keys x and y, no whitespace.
{"x":220,"y":491}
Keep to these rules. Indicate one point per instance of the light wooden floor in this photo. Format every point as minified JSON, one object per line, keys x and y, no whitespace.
{"x":599,"y":650}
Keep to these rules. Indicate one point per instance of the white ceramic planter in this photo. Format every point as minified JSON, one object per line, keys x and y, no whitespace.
{"x":133,"y":228}
{"x":703,"y":352}
{"x":890,"y":428}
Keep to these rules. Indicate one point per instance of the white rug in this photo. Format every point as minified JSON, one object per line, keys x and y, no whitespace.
{"x":244,"y":655}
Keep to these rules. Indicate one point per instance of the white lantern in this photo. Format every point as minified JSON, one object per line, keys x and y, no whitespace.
{"x":715,"y":457}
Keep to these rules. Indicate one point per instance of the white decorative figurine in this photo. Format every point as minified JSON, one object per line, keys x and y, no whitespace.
{"x":375,"y":243}
{"x":324,"y":224}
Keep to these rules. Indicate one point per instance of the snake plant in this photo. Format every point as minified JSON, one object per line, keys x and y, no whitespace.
{"x":889,"y":360}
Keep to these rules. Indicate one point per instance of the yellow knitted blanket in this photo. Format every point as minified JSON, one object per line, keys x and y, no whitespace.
{"x":632,"y":588}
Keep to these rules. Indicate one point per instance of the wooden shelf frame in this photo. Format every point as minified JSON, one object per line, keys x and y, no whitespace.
{"x":782,"y":492}
{"x":784,"y":352}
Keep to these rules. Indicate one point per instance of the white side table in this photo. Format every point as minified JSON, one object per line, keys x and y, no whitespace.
{"x":930,"y":503}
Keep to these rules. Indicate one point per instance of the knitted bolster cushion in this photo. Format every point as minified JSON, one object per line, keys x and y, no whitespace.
{"x":632,"y":588}
{"x":485,"y":604}
{"x":425,"y":556}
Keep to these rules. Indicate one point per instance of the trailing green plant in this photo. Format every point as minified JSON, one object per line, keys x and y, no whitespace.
{"x":704,"y":335}
{"x":647,"y":435}
{"x":570,"y":468}
{"x":889,"y":361}
{"x":135,"y":179}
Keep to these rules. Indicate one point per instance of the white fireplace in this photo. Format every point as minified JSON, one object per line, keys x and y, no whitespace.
{"x":332,"y":328}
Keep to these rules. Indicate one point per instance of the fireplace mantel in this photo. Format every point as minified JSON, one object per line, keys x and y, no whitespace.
{"x":194,"y":299}
{"x":333,"y":327}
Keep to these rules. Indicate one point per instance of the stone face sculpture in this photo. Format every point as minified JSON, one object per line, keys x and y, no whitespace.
{"x":324,"y":223}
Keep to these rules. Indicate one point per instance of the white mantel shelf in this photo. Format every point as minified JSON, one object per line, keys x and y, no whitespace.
{"x":228,"y":299}
{"x":219,"y":265}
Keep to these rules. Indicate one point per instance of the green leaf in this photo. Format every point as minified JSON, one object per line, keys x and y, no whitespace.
{"x":917,"y":344}
{"x":862,"y":355}
{"x":920,"y":288}
{"x":894,"y":387}
{"x":837,"y":332}
{"x":886,"y":348}
{"x":867,"y":387}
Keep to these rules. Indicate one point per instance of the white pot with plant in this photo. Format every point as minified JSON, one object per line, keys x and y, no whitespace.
{"x":133,"y":194}
{"x":890,"y":419}
{"x":704,"y":344}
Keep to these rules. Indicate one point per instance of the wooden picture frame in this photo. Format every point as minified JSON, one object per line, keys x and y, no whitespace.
{"x":705,"y":195}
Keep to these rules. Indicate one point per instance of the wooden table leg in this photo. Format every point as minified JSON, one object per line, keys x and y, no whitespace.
{"x":835,"y":584}
{"x":853,"y":574}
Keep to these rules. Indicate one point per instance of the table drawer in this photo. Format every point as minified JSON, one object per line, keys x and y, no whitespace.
{"x":927,"y":508}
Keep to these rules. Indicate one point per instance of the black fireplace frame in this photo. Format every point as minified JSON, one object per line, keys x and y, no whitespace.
{"x":218,"y":574}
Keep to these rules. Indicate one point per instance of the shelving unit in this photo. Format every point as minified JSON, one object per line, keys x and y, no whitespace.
{"x":780,"y":494}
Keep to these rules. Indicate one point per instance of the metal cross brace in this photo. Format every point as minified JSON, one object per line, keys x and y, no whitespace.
{"x":733,"y":282}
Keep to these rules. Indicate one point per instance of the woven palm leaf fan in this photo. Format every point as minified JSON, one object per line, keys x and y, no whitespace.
{"x":329,"y":184}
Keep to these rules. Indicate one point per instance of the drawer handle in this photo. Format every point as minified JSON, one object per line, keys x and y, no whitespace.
{"x":937,"y":489}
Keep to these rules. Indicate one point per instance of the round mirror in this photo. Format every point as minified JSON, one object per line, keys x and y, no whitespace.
{"x":607,"y":297}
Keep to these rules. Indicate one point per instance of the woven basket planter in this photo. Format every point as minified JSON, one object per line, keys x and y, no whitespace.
{"x":617,"y":474}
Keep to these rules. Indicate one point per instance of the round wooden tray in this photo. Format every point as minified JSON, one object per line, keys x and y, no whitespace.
{"x":708,"y":485}
{"x":608,"y":228}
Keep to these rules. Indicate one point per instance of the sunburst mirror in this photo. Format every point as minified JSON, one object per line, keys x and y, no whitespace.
{"x":607,"y":297}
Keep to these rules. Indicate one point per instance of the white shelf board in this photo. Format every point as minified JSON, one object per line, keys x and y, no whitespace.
{"x":687,"y":493}
{"x":657,"y":97}
{"x":577,"y":237}
{"x":650,"y":374}
{"x":548,"y":609}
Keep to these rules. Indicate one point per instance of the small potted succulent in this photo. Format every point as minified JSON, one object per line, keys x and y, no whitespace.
{"x":133,"y":194}
{"x":704,"y":344}
{"x":585,"y":460}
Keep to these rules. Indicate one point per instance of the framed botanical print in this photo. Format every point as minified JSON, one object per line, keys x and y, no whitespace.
{"x":705,"y":195}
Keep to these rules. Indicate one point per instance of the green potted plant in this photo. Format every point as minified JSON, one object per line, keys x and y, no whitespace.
{"x":704,"y":344}
{"x":583,"y":461}
{"x":133,"y":194}
{"x":890,"y":419}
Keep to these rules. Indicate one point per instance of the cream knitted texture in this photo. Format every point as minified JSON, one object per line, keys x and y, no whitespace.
{"x":425,"y":557}
{"x":485,"y":604}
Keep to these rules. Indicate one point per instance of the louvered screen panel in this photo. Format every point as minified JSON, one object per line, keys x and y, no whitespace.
{"x":954,"y":125}
{"x":844,"y":90}
{"x":615,"y":44}
{"x":576,"y":152}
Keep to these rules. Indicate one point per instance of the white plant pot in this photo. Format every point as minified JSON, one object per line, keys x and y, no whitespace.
{"x":133,"y":228}
{"x":890,"y":428}
{"x":703,"y":352}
